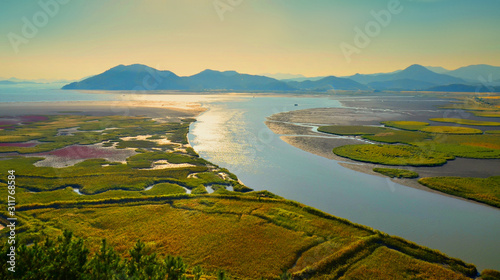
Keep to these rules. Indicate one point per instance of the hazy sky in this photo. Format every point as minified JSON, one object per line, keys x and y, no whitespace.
{"x":85,"y":37}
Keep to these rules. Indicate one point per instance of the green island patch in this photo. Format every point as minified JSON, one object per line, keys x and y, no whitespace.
{"x":396,"y":173}
{"x":392,"y":155}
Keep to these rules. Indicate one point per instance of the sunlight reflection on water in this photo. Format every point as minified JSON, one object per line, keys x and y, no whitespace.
{"x":227,"y":127}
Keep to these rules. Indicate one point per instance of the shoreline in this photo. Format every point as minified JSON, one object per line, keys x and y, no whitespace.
{"x":154,"y":109}
{"x":296,"y":128}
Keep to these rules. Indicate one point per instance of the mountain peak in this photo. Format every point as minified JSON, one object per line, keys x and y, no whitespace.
{"x":132,"y":67}
{"x":208,"y":71}
{"x":416,"y":67}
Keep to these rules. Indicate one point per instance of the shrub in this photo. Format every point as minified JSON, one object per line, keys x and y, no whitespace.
{"x":199,"y":190}
{"x":237,"y":187}
{"x":489,"y":274}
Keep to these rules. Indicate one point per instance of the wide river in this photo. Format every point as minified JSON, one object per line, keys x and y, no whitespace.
{"x":232,"y":134}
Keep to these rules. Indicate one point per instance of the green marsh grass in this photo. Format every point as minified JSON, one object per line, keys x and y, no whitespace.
{"x":465,"y":121}
{"x":385,"y":263}
{"x":396,"y":173}
{"x":406,"y":125}
{"x":484,"y":190}
{"x":451,"y":130}
{"x":248,"y":237}
{"x":399,"y":136}
{"x":392,"y":155}
{"x":248,"y":234}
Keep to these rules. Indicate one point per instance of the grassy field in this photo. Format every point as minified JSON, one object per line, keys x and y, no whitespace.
{"x":392,"y":155}
{"x":485,"y":190}
{"x":396,"y":173}
{"x":246,"y":233}
{"x":399,"y":136}
{"x":465,"y":121}
{"x":247,"y":236}
{"x":451,"y":130}
{"x":376,"y":267}
{"x":467,"y":146}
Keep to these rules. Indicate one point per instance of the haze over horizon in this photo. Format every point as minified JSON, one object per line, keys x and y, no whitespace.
{"x":76,"y":38}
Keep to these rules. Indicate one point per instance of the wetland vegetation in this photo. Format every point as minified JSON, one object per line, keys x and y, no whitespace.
{"x":396,"y":173}
{"x":485,"y":190}
{"x":392,"y":155}
{"x":246,"y":233}
{"x":417,"y":143}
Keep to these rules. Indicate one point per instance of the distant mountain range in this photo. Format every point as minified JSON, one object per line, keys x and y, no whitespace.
{"x":15,"y":81}
{"x":477,"y":73}
{"x":10,"y":82}
{"x":284,"y":76}
{"x":413,"y":78}
{"x":328,"y":84}
{"x":142,"y":77}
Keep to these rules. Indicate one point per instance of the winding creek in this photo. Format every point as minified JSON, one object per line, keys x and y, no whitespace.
{"x":232,"y":134}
